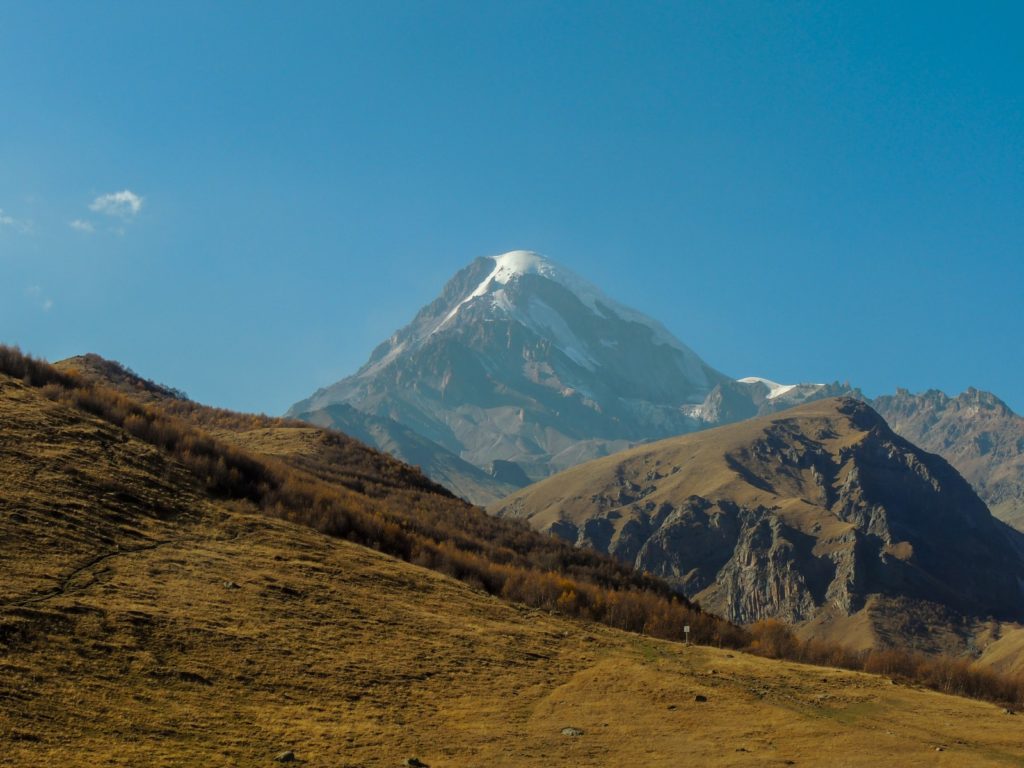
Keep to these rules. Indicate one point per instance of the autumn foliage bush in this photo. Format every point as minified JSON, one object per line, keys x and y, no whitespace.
{"x":956,"y":676}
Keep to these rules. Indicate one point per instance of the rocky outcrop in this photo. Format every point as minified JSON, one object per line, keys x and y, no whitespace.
{"x":814,"y":512}
{"x":520,"y":369}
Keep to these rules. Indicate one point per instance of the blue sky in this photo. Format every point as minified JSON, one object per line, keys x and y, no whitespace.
{"x":802,"y":191}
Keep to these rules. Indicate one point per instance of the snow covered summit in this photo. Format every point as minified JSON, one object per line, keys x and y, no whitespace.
{"x":521,"y":360}
{"x":499,"y":293}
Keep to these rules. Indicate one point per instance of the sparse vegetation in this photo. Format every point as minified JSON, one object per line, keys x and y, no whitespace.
{"x":421,"y":525}
{"x":959,"y":677}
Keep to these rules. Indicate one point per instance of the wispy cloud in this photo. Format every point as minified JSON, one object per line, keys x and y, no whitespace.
{"x":35,"y":294}
{"x":9,"y":222}
{"x":82,"y":226}
{"x":124,"y":204}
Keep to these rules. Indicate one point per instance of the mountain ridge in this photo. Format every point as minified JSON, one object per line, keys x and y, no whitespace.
{"x":819,"y":515}
{"x":154,"y":612}
{"x":976,"y":432}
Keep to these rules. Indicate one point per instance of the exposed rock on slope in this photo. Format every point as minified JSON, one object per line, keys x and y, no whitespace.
{"x":813,"y":516}
{"x":976,"y":432}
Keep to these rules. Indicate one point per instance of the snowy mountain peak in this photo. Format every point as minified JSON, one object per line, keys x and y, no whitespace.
{"x":509,"y":267}
{"x":790,"y":394}
{"x":513,"y":263}
{"x":520,"y":360}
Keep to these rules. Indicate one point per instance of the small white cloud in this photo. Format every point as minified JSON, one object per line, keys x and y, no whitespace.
{"x":124,"y":204}
{"x":9,"y":222}
{"x":82,"y":226}
{"x":47,"y":305}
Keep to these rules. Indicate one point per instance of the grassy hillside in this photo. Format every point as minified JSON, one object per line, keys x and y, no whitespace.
{"x":349,"y":491}
{"x":144,"y":621}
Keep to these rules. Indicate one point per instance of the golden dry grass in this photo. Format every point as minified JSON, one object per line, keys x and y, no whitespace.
{"x":142,"y":623}
{"x":1004,"y":651}
{"x":352,"y":658}
{"x":345,"y":489}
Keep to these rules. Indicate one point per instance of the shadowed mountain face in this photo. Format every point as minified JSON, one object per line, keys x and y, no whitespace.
{"x":519,"y":361}
{"x":439,"y":464}
{"x":820,"y":516}
{"x":976,"y":432}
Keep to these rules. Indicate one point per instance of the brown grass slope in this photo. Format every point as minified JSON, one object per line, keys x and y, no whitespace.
{"x":440,"y":464}
{"x":820,"y":516}
{"x":373,"y":435}
{"x":348,"y":490}
{"x":145,"y":622}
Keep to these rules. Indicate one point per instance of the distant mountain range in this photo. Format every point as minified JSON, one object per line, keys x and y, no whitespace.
{"x":976,"y":432}
{"x":521,"y":369}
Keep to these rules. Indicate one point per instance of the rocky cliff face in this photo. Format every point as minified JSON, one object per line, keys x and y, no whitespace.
{"x":814,"y":515}
{"x":520,"y":369}
{"x":976,"y":432}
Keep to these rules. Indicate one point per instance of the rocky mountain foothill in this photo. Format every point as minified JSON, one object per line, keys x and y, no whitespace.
{"x":820,"y":516}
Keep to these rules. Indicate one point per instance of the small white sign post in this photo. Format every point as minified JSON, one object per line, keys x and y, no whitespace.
{"x":686,"y":631}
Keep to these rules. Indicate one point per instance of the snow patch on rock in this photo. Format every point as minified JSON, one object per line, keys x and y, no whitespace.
{"x":774,"y":388}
